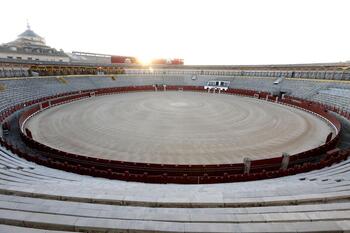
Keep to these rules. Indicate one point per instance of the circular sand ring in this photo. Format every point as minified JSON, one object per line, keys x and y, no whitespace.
{"x":183,"y":128}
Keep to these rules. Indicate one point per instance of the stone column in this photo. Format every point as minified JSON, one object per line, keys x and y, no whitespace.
{"x":247,"y":163}
{"x":285,"y":161}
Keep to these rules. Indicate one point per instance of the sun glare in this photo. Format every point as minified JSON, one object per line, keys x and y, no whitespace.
{"x":145,"y":60}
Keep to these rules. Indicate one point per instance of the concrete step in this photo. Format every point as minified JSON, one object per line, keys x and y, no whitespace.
{"x":16,"y":229}
{"x":74,"y":223}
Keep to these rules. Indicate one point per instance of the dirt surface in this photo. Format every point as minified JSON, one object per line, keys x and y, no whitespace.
{"x":178,"y":128}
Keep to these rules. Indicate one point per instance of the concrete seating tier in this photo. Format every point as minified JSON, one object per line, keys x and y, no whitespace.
{"x":35,"y":198}
{"x":13,"y":71}
{"x":334,"y":97}
{"x":43,"y":198}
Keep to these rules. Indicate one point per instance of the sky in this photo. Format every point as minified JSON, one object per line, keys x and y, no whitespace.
{"x":202,"y":32}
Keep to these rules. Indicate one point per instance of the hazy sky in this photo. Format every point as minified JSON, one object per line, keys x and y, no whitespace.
{"x":200,"y":31}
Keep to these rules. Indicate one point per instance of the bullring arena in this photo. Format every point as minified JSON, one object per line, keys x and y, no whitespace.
{"x":160,"y":131}
{"x":178,"y":127}
{"x":113,"y":153}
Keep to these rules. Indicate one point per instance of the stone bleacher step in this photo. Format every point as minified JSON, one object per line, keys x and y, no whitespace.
{"x":167,"y":215}
{"x":83,"y":224}
{"x":11,"y":201}
{"x":16,"y":229}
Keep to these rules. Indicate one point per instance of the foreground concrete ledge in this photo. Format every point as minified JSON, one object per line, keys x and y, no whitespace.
{"x":83,"y":224}
{"x":173,"y":202}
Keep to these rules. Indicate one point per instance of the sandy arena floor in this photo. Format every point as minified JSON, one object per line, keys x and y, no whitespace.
{"x":178,"y":128}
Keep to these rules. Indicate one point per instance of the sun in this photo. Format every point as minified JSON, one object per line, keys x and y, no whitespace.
{"x":144,"y":60}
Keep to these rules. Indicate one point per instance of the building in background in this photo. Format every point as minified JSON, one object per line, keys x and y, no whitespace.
{"x":97,"y":58}
{"x":163,"y":61}
{"x":91,"y":58}
{"x":116,"y":59}
{"x":29,"y":46}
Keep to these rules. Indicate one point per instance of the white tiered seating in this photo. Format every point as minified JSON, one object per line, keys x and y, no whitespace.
{"x":39,"y":199}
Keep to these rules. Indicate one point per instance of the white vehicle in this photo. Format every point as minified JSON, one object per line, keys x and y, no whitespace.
{"x":217,"y":85}
{"x":278,"y":81}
